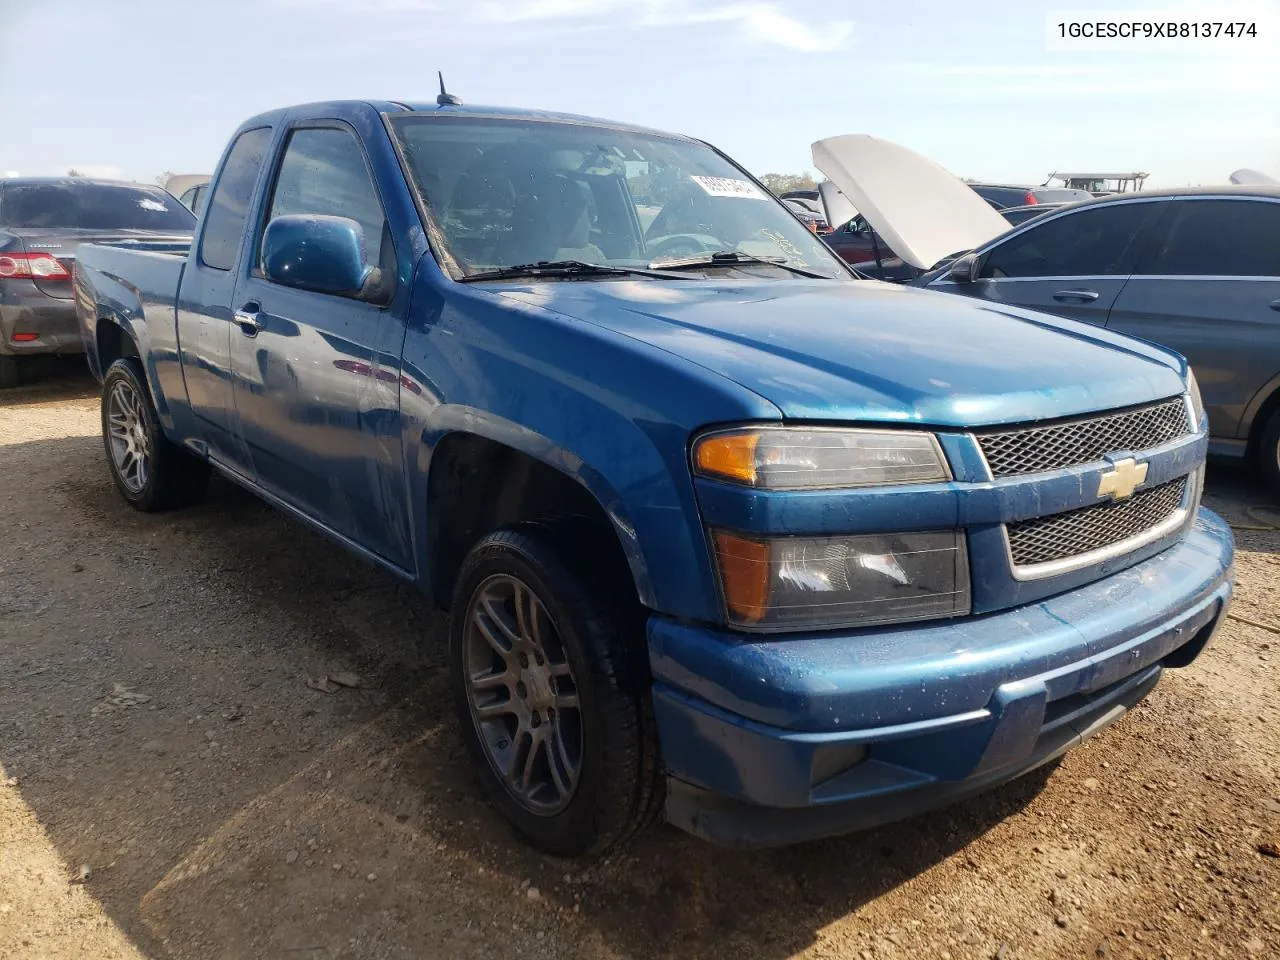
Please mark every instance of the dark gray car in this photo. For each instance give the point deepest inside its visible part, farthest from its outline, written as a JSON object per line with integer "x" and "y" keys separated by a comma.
{"x": 42, "y": 222}
{"x": 1196, "y": 270}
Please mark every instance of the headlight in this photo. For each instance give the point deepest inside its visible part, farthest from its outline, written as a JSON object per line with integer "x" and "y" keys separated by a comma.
{"x": 1197, "y": 404}
{"x": 821, "y": 583}
{"x": 804, "y": 458}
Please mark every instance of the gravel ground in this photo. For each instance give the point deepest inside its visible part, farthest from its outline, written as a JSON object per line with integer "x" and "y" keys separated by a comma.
{"x": 170, "y": 787}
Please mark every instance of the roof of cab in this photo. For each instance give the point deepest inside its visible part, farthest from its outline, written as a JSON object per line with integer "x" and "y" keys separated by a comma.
{"x": 336, "y": 108}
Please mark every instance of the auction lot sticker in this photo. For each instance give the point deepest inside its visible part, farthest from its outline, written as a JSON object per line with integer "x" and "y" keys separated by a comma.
{"x": 729, "y": 187}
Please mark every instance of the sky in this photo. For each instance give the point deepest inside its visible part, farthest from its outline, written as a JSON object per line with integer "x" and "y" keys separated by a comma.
{"x": 131, "y": 88}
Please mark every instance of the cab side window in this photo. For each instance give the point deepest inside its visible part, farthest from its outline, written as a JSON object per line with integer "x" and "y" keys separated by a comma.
{"x": 1218, "y": 238}
{"x": 323, "y": 172}
{"x": 1097, "y": 242}
{"x": 229, "y": 204}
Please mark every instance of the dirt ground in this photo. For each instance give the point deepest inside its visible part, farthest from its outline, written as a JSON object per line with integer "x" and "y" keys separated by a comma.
{"x": 170, "y": 787}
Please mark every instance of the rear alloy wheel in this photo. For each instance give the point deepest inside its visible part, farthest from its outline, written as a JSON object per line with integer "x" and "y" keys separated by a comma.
{"x": 127, "y": 438}
{"x": 552, "y": 694}
{"x": 149, "y": 470}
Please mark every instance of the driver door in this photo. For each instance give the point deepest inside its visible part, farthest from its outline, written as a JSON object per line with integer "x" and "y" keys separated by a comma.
{"x": 317, "y": 375}
{"x": 1071, "y": 265}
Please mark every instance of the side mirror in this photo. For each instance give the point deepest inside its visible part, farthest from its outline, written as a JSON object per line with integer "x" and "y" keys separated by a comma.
{"x": 317, "y": 253}
{"x": 965, "y": 269}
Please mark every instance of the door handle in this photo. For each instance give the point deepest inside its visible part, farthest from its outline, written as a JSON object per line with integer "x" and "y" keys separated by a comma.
{"x": 1275, "y": 304}
{"x": 1084, "y": 296}
{"x": 249, "y": 319}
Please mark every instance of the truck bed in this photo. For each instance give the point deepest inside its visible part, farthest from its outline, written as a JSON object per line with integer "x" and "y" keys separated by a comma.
{"x": 134, "y": 282}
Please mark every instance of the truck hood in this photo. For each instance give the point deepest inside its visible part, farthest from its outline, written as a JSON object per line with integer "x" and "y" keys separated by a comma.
{"x": 866, "y": 351}
{"x": 923, "y": 212}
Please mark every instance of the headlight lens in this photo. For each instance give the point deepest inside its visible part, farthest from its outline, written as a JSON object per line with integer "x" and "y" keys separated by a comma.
{"x": 798, "y": 458}
{"x": 1197, "y": 404}
{"x": 820, "y": 583}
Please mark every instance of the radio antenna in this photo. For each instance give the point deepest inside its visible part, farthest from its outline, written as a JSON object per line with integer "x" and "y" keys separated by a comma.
{"x": 446, "y": 99}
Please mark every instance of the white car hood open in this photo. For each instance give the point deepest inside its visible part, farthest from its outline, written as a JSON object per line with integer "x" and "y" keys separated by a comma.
{"x": 1252, "y": 178}
{"x": 838, "y": 209}
{"x": 922, "y": 212}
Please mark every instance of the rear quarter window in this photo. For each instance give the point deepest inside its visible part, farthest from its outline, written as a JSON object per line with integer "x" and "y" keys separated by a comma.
{"x": 1218, "y": 238}
{"x": 88, "y": 205}
{"x": 228, "y": 206}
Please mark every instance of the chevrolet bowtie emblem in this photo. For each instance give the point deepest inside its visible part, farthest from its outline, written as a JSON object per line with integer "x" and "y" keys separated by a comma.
{"x": 1124, "y": 477}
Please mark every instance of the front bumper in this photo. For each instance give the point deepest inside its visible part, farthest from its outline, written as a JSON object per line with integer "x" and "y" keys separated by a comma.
{"x": 776, "y": 741}
{"x": 26, "y": 310}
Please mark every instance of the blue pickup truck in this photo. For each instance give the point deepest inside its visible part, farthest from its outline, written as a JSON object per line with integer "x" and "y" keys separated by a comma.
{"x": 727, "y": 535}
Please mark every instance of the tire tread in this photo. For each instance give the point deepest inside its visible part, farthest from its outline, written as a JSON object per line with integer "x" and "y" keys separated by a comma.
{"x": 630, "y": 797}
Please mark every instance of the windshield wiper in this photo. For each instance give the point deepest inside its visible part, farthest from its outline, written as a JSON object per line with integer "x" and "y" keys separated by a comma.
{"x": 730, "y": 258}
{"x": 565, "y": 268}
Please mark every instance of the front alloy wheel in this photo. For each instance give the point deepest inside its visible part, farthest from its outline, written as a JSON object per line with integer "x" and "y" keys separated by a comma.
{"x": 524, "y": 698}
{"x": 551, "y": 684}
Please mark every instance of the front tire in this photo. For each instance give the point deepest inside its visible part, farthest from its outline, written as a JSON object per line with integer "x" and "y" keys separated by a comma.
{"x": 552, "y": 696}
{"x": 151, "y": 472}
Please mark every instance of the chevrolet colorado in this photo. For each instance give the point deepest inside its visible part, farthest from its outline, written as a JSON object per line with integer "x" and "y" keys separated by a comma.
{"x": 725, "y": 533}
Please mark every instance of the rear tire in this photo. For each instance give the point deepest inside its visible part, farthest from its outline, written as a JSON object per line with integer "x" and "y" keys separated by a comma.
{"x": 150, "y": 471}
{"x": 537, "y": 653}
{"x": 10, "y": 371}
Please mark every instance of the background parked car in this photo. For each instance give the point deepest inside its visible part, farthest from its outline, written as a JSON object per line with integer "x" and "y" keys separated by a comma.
{"x": 814, "y": 221}
{"x": 893, "y": 269}
{"x": 1003, "y": 195}
{"x": 191, "y": 189}
{"x": 856, "y": 242}
{"x": 806, "y": 198}
{"x": 194, "y": 198}
{"x": 1196, "y": 270}
{"x": 42, "y": 222}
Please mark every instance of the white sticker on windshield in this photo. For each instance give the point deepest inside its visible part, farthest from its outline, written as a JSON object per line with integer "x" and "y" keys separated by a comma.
{"x": 146, "y": 203}
{"x": 729, "y": 187}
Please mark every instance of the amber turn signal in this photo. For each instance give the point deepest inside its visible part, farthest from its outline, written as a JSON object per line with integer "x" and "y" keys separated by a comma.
{"x": 744, "y": 575}
{"x": 728, "y": 455}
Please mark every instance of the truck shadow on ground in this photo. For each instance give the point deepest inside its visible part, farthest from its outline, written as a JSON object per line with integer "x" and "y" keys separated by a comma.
{"x": 238, "y": 812}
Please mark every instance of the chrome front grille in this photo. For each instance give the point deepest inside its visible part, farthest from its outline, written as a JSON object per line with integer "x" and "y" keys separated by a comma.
{"x": 1067, "y": 443}
{"x": 1061, "y": 536}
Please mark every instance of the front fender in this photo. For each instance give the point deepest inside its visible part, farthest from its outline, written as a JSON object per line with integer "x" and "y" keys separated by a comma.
{"x": 613, "y": 413}
{"x": 459, "y": 419}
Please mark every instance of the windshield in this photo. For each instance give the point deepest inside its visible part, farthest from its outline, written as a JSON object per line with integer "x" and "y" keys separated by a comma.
{"x": 510, "y": 192}
{"x": 85, "y": 205}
